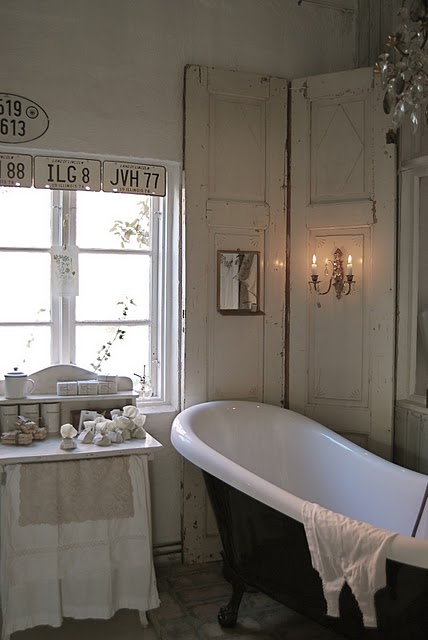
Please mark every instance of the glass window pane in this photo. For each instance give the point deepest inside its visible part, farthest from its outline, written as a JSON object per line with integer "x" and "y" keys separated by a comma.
{"x": 27, "y": 348}
{"x": 112, "y": 220}
{"x": 127, "y": 355}
{"x": 25, "y": 287}
{"x": 106, "y": 280}
{"x": 25, "y": 217}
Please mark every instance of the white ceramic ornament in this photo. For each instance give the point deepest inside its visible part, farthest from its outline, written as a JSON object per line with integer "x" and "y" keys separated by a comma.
{"x": 130, "y": 411}
{"x": 102, "y": 440}
{"x": 68, "y": 431}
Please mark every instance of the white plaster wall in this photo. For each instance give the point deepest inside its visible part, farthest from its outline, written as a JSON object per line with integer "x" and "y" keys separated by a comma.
{"x": 109, "y": 73}
{"x": 110, "y": 76}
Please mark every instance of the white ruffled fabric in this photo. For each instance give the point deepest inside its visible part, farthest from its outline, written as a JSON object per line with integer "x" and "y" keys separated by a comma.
{"x": 79, "y": 570}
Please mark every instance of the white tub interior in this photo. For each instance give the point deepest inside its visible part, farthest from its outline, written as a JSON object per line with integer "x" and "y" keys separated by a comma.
{"x": 277, "y": 456}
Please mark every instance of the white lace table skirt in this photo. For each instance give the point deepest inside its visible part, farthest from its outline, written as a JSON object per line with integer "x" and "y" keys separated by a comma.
{"x": 75, "y": 541}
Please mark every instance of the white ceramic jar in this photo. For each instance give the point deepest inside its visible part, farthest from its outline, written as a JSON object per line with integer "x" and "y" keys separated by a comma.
{"x": 31, "y": 412}
{"x": 17, "y": 384}
{"x": 51, "y": 416}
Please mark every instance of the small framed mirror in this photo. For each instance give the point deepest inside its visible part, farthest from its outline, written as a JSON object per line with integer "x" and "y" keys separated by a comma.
{"x": 238, "y": 282}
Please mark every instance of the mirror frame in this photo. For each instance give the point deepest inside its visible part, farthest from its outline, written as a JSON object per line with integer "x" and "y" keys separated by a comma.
{"x": 239, "y": 312}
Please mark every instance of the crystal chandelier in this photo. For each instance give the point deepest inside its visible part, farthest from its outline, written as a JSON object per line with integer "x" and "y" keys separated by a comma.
{"x": 404, "y": 71}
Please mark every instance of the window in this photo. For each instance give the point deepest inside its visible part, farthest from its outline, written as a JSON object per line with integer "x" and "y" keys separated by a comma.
{"x": 412, "y": 365}
{"x": 117, "y": 322}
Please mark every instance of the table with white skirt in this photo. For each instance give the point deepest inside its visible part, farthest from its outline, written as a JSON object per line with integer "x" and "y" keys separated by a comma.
{"x": 75, "y": 533}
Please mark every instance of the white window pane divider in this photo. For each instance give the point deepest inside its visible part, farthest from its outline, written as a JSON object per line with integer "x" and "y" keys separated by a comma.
{"x": 113, "y": 323}
{"x": 155, "y": 231}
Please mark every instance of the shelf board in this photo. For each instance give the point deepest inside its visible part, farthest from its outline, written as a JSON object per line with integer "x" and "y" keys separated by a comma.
{"x": 52, "y": 397}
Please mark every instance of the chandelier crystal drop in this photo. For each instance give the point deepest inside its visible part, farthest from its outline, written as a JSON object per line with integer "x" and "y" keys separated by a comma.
{"x": 404, "y": 70}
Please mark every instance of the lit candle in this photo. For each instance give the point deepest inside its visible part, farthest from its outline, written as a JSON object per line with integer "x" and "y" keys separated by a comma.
{"x": 349, "y": 267}
{"x": 314, "y": 268}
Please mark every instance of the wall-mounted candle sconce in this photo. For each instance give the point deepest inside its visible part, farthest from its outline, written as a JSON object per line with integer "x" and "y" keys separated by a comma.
{"x": 341, "y": 284}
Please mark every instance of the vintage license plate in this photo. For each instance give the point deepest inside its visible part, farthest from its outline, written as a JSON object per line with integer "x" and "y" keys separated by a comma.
{"x": 15, "y": 170}
{"x": 127, "y": 177}
{"x": 67, "y": 173}
{"x": 21, "y": 119}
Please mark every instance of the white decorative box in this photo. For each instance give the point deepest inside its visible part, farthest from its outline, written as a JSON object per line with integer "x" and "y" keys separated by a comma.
{"x": 107, "y": 384}
{"x": 66, "y": 388}
{"x": 87, "y": 387}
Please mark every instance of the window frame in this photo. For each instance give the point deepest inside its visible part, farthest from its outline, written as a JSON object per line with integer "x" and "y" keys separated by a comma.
{"x": 63, "y": 322}
{"x": 408, "y": 282}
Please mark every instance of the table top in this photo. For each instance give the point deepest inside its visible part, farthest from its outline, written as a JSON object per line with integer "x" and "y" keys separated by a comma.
{"x": 48, "y": 450}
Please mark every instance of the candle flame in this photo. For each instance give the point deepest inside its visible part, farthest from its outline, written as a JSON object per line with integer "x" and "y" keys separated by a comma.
{"x": 349, "y": 259}
{"x": 314, "y": 259}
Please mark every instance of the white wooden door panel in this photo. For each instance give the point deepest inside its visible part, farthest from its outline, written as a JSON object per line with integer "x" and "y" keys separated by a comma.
{"x": 238, "y": 214}
{"x": 237, "y": 131}
{"x": 354, "y": 214}
{"x": 239, "y": 83}
{"x": 339, "y": 155}
{"x": 235, "y": 145}
{"x": 343, "y": 196}
{"x": 338, "y": 352}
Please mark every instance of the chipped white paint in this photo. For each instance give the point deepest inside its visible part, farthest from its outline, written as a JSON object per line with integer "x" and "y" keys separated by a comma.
{"x": 235, "y": 199}
{"x": 343, "y": 348}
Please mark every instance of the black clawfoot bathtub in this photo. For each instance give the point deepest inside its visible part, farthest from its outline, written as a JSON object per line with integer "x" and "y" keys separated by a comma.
{"x": 260, "y": 463}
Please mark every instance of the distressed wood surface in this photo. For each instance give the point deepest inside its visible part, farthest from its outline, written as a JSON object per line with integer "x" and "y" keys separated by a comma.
{"x": 235, "y": 146}
{"x": 343, "y": 187}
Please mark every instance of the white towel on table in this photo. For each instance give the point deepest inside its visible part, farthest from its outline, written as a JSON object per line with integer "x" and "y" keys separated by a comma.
{"x": 345, "y": 550}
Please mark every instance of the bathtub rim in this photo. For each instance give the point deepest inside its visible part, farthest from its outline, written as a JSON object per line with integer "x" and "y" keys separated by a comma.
{"x": 404, "y": 549}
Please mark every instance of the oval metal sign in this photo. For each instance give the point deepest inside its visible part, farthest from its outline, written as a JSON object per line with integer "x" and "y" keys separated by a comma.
{"x": 21, "y": 120}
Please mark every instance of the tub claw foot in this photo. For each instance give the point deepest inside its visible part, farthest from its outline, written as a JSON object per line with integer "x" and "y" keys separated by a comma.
{"x": 228, "y": 615}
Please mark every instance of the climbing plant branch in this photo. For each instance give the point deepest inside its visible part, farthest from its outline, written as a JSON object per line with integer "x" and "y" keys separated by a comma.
{"x": 104, "y": 353}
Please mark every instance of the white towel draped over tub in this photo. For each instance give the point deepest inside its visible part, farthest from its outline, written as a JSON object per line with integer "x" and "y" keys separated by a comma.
{"x": 345, "y": 550}
{"x": 75, "y": 541}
